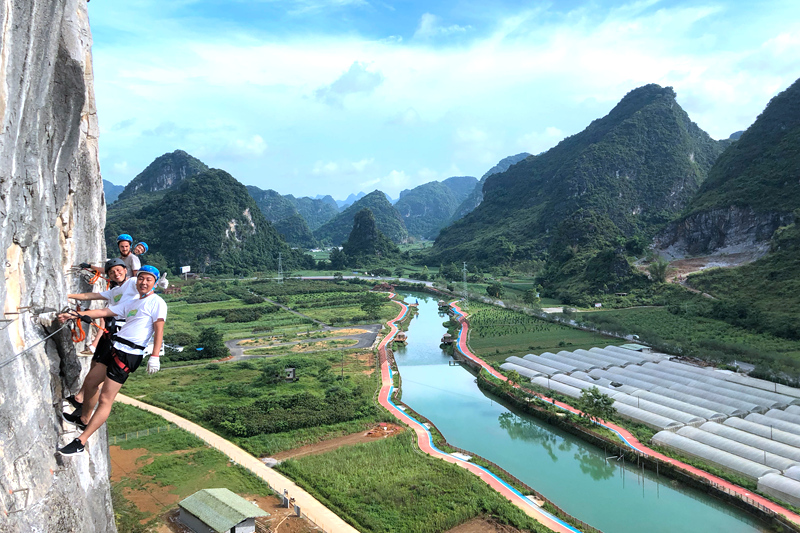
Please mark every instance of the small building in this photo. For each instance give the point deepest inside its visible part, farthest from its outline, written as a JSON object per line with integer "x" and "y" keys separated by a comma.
{"x": 447, "y": 339}
{"x": 219, "y": 511}
{"x": 443, "y": 305}
{"x": 637, "y": 348}
{"x": 598, "y": 305}
{"x": 289, "y": 373}
{"x": 401, "y": 337}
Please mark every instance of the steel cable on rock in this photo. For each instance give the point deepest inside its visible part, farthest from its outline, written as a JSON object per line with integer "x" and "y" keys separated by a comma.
{"x": 11, "y": 359}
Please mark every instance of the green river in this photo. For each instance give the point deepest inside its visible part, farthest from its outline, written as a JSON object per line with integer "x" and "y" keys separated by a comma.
{"x": 609, "y": 495}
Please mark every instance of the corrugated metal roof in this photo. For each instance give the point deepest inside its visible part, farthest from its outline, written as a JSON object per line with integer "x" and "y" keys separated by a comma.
{"x": 220, "y": 509}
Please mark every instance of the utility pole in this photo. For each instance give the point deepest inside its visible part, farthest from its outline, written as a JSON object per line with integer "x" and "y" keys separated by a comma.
{"x": 280, "y": 267}
{"x": 464, "y": 278}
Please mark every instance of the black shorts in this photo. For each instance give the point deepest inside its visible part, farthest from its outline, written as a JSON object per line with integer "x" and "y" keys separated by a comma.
{"x": 104, "y": 345}
{"x": 115, "y": 371}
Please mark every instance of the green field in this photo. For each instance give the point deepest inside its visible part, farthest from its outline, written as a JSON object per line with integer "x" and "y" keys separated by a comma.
{"x": 388, "y": 485}
{"x": 497, "y": 333}
{"x": 251, "y": 404}
{"x": 702, "y": 337}
{"x": 175, "y": 460}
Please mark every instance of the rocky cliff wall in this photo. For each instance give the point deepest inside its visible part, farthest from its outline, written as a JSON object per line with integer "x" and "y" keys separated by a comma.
{"x": 52, "y": 214}
{"x": 720, "y": 231}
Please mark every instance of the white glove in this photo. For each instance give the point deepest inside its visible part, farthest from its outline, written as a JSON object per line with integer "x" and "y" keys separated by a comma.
{"x": 153, "y": 365}
{"x": 162, "y": 282}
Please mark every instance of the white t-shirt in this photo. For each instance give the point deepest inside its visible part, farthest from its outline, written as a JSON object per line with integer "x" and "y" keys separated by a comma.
{"x": 132, "y": 262}
{"x": 140, "y": 316}
{"x": 121, "y": 293}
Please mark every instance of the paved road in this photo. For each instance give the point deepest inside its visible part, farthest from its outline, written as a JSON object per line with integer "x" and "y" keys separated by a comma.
{"x": 309, "y": 506}
{"x": 631, "y": 441}
{"x": 425, "y": 443}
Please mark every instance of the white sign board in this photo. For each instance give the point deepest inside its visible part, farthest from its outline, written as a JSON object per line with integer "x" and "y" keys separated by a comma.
{"x": 186, "y": 269}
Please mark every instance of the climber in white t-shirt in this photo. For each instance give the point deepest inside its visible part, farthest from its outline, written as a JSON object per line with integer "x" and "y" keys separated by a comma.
{"x": 144, "y": 318}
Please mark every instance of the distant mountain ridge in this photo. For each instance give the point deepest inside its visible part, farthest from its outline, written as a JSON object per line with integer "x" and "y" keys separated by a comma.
{"x": 475, "y": 197}
{"x": 111, "y": 191}
{"x": 427, "y": 208}
{"x": 387, "y": 220}
{"x": 618, "y": 179}
{"x": 163, "y": 173}
{"x": 751, "y": 191}
{"x": 210, "y": 222}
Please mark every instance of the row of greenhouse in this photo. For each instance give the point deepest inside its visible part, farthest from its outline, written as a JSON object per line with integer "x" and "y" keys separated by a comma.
{"x": 742, "y": 424}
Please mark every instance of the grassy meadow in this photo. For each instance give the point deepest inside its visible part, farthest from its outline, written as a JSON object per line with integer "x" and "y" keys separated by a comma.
{"x": 497, "y": 333}
{"x": 388, "y": 485}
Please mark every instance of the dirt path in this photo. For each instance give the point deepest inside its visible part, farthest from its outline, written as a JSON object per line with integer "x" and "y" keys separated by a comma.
{"x": 632, "y": 442}
{"x": 380, "y": 431}
{"x": 309, "y": 506}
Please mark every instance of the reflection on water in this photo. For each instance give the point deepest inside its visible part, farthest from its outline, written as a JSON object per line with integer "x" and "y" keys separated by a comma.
{"x": 519, "y": 428}
{"x": 614, "y": 496}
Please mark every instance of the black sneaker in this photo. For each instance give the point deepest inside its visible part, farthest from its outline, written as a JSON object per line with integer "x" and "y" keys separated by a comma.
{"x": 74, "y": 403}
{"x": 73, "y": 448}
{"x": 74, "y": 419}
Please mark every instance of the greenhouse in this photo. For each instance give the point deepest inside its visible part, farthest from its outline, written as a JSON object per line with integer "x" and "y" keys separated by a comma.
{"x": 794, "y": 409}
{"x": 722, "y": 459}
{"x": 708, "y": 404}
{"x": 793, "y": 472}
{"x": 566, "y": 367}
{"x": 621, "y": 378}
{"x": 659, "y": 409}
{"x": 566, "y": 390}
{"x": 647, "y": 418}
{"x": 599, "y": 357}
{"x": 686, "y": 407}
{"x": 714, "y": 397}
{"x": 575, "y": 356}
{"x": 757, "y": 441}
{"x": 774, "y": 422}
{"x": 629, "y": 357}
{"x": 783, "y": 415}
{"x": 604, "y": 382}
{"x": 521, "y": 370}
{"x": 781, "y": 487}
{"x": 534, "y": 366}
{"x": 641, "y": 356}
{"x": 762, "y": 430}
{"x": 764, "y": 385}
{"x": 578, "y": 364}
{"x": 737, "y": 448}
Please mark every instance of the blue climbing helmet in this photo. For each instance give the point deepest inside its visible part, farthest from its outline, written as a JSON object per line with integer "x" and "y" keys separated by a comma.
{"x": 149, "y": 269}
{"x": 124, "y": 237}
{"x": 144, "y": 245}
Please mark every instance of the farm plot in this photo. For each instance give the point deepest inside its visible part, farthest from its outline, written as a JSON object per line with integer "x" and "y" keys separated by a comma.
{"x": 497, "y": 333}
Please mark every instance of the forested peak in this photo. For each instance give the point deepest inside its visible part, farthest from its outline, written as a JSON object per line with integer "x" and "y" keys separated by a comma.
{"x": 366, "y": 239}
{"x": 760, "y": 169}
{"x": 337, "y": 229}
{"x": 164, "y": 172}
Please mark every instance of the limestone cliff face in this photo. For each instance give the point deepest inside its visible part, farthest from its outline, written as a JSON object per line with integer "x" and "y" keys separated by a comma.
{"x": 721, "y": 231}
{"x": 52, "y": 213}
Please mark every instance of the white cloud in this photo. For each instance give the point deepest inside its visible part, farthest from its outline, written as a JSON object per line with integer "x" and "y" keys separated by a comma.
{"x": 396, "y": 179}
{"x": 358, "y": 79}
{"x": 122, "y": 168}
{"x": 536, "y": 142}
{"x": 235, "y": 149}
{"x": 409, "y": 117}
{"x": 430, "y": 26}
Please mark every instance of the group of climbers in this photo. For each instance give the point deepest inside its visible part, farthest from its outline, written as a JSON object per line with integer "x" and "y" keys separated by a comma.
{"x": 134, "y": 316}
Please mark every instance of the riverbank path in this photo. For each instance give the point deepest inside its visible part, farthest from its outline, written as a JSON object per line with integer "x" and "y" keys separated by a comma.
{"x": 628, "y": 438}
{"x": 425, "y": 440}
{"x": 309, "y": 506}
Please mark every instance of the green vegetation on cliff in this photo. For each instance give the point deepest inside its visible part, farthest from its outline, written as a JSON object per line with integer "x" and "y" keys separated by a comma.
{"x": 209, "y": 221}
{"x": 591, "y": 200}
{"x": 366, "y": 242}
{"x": 761, "y": 169}
{"x": 388, "y": 220}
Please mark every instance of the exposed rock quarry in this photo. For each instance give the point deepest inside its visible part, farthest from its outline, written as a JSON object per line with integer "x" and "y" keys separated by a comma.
{"x": 53, "y": 212}
{"x": 733, "y": 230}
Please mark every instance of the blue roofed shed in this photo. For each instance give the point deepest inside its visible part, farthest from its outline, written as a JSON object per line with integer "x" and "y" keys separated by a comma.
{"x": 219, "y": 511}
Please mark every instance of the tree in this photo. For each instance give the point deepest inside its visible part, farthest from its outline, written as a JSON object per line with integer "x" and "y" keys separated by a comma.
{"x": 371, "y": 304}
{"x": 596, "y": 404}
{"x": 514, "y": 378}
{"x": 398, "y": 272}
{"x": 210, "y": 340}
{"x": 495, "y": 290}
{"x": 659, "y": 269}
{"x": 338, "y": 259}
{"x": 531, "y": 297}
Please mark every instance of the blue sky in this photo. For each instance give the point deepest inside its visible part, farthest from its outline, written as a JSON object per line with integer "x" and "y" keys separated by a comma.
{"x": 337, "y": 96}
